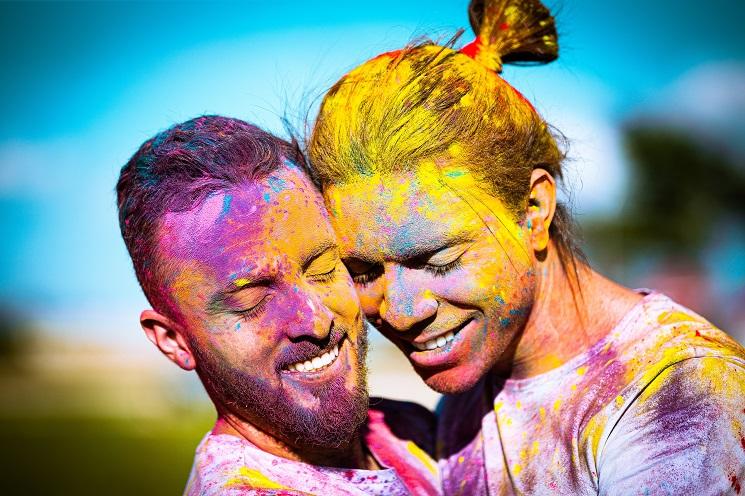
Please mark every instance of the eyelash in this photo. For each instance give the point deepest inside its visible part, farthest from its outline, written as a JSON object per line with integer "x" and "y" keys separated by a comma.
{"x": 255, "y": 310}
{"x": 441, "y": 270}
{"x": 437, "y": 270}
{"x": 327, "y": 277}
{"x": 367, "y": 277}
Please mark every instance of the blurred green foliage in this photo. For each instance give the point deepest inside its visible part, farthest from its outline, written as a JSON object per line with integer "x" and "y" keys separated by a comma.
{"x": 89, "y": 456}
{"x": 682, "y": 187}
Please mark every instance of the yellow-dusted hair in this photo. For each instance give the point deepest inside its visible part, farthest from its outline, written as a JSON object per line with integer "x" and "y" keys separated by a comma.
{"x": 434, "y": 103}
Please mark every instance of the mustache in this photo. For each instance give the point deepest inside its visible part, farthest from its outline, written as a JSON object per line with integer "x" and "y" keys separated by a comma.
{"x": 308, "y": 347}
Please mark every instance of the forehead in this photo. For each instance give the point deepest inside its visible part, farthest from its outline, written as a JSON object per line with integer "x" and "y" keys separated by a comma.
{"x": 249, "y": 225}
{"x": 389, "y": 213}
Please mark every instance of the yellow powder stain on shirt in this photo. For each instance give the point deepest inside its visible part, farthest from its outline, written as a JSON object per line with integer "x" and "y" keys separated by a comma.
{"x": 673, "y": 317}
{"x": 542, "y": 413}
{"x": 239, "y": 283}
{"x": 534, "y": 448}
{"x": 518, "y": 405}
{"x": 461, "y": 459}
{"x": 593, "y": 431}
{"x": 517, "y": 468}
{"x": 422, "y": 457}
{"x": 557, "y": 405}
{"x": 498, "y": 406}
{"x": 582, "y": 370}
{"x": 619, "y": 401}
{"x": 253, "y": 479}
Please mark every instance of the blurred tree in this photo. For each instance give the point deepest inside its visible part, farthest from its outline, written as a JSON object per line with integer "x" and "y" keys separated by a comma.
{"x": 15, "y": 336}
{"x": 681, "y": 189}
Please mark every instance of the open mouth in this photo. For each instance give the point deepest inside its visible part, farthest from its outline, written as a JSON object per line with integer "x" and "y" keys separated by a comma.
{"x": 440, "y": 341}
{"x": 323, "y": 360}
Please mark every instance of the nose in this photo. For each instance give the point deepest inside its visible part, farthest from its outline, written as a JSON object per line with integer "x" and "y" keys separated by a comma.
{"x": 312, "y": 319}
{"x": 405, "y": 303}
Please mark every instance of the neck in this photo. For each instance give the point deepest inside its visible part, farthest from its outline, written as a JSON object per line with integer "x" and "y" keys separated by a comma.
{"x": 352, "y": 456}
{"x": 570, "y": 314}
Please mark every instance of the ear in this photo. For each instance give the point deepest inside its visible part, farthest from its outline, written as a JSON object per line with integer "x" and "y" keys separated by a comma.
{"x": 541, "y": 208}
{"x": 168, "y": 337}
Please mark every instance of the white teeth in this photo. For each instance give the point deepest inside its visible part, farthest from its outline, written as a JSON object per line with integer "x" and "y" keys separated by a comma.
{"x": 316, "y": 362}
{"x": 326, "y": 358}
{"x": 435, "y": 343}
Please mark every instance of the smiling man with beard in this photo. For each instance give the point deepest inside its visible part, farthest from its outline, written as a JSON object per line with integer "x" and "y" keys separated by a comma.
{"x": 232, "y": 246}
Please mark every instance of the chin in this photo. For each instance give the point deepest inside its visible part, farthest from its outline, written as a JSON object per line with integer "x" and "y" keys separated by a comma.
{"x": 455, "y": 380}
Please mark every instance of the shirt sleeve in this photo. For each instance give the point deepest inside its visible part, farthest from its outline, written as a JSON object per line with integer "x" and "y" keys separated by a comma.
{"x": 683, "y": 434}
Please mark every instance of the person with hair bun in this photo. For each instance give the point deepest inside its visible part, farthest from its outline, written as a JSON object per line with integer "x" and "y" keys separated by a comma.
{"x": 441, "y": 180}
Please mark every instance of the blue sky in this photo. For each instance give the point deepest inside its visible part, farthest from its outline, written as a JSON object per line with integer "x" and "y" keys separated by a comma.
{"x": 85, "y": 83}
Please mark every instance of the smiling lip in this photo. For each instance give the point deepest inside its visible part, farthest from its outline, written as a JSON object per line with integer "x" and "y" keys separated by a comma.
{"x": 442, "y": 354}
{"x": 318, "y": 366}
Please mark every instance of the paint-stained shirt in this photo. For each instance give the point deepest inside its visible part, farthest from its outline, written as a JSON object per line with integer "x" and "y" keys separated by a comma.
{"x": 656, "y": 407}
{"x": 399, "y": 435}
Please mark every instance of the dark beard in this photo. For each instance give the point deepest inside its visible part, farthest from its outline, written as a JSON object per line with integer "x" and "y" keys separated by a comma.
{"x": 334, "y": 425}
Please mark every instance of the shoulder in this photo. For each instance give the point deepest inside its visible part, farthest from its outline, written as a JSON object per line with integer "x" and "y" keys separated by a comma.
{"x": 661, "y": 333}
{"x": 393, "y": 420}
{"x": 222, "y": 468}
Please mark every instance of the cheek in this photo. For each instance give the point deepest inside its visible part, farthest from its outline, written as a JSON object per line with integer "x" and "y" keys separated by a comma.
{"x": 341, "y": 298}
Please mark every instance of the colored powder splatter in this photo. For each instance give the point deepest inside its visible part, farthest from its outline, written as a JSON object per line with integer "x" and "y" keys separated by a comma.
{"x": 252, "y": 479}
{"x": 421, "y": 456}
{"x": 226, "y": 201}
{"x": 277, "y": 184}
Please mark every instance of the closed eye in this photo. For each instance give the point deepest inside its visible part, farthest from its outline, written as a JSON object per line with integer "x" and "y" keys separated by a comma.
{"x": 254, "y": 311}
{"x": 322, "y": 267}
{"x": 363, "y": 273}
{"x": 445, "y": 260}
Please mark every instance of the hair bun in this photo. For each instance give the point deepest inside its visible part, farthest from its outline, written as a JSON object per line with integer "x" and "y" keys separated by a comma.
{"x": 511, "y": 32}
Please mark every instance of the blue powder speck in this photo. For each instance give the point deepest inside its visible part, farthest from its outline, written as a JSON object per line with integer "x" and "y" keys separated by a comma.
{"x": 226, "y": 205}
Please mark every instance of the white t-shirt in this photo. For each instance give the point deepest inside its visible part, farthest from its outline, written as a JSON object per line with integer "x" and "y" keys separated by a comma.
{"x": 226, "y": 465}
{"x": 656, "y": 407}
